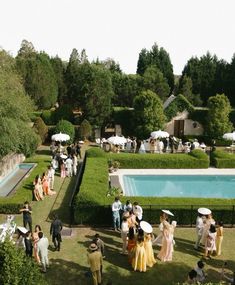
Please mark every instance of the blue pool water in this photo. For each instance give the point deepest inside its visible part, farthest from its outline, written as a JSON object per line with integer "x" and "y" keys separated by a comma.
{"x": 198, "y": 186}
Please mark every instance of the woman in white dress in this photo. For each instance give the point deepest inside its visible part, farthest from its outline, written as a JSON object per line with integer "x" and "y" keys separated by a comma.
{"x": 142, "y": 148}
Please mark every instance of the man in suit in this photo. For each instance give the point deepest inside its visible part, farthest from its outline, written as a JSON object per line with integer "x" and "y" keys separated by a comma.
{"x": 42, "y": 250}
{"x": 27, "y": 218}
{"x": 95, "y": 261}
{"x": 55, "y": 231}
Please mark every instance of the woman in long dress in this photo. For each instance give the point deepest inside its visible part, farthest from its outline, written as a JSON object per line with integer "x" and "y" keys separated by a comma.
{"x": 210, "y": 245}
{"x": 150, "y": 260}
{"x": 35, "y": 242}
{"x": 142, "y": 148}
{"x": 131, "y": 243}
{"x": 46, "y": 186}
{"x": 219, "y": 237}
{"x": 139, "y": 261}
{"x": 207, "y": 223}
{"x": 38, "y": 192}
{"x": 166, "y": 251}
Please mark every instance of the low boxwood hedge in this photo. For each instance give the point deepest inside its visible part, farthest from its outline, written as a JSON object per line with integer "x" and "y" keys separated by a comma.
{"x": 92, "y": 206}
{"x": 222, "y": 159}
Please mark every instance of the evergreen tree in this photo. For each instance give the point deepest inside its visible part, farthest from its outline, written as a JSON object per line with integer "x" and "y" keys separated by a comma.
{"x": 218, "y": 116}
{"x": 149, "y": 115}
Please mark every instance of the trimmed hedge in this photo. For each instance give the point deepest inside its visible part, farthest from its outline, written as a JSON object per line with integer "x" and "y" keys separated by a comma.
{"x": 221, "y": 159}
{"x": 92, "y": 206}
{"x": 195, "y": 159}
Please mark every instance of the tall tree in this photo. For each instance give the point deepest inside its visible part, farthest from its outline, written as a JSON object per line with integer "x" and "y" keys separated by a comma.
{"x": 218, "y": 116}
{"x": 154, "y": 80}
{"x": 161, "y": 59}
{"x": 38, "y": 76}
{"x": 231, "y": 81}
{"x": 149, "y": 115}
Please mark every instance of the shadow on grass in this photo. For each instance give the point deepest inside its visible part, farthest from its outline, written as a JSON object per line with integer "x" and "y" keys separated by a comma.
{"x": 43, "y": 152}
{"x": 66, "y": 272}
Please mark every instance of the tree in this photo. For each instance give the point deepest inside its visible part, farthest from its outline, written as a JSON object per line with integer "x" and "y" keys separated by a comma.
{"x": 85, "y": 129}
{"x": 93, "y": 92}
{"x": 41, "y": 128}
{"x": 38, "y": 76}
{"x": 16, "y": 135}
{"x": 16, "y": 268}
{"x": 186, "y": 90}
{"x": 230, "y": 88}
{"x": 59, "y": 70}
{"x": 161, "y": 59}
{"x": 149, "y": 115}
{"x": 154, "y": 80}
{"x": 65, "y": 127}
{"x": 218, "y": 116}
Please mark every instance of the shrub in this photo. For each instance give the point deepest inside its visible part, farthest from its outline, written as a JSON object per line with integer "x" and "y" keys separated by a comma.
{"x": 64, "y": 112}
{"x": 41, "y": 129}
{"x": 95, "y": 152}
{"x": 48, "y": 117}
{"x": 85, "y": 129}
{"x": 66, "y": 127}
{"x": 221, "y": 159}
{"x": 16, "y": 268}
{"x": 29, "y": 141}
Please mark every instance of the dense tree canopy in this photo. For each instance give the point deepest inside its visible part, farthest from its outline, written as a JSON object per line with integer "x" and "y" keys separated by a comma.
{"x": 16, "y": 135}
{"x": 218, "y": 116}
{"x": 161, "y": 59}
{"x": 38, "y": 76}
{"x": 149, "y": 115}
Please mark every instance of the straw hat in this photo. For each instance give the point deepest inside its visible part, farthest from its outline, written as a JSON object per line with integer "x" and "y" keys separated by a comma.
{"x": 204, "y": 211}
{"x": 93, "y": 246}
{"x": 146, "y": 227}
{"x": 168, "y": 212}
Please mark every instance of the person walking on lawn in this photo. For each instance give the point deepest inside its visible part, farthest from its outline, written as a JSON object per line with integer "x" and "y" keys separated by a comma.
{"x": 95, "y": 261}
{"x": 55, "y": 231}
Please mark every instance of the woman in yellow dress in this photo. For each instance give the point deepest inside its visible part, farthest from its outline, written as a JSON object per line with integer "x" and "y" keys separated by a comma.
{"x": 150, "y": 260}
{"x": 219, "y": 237}
{"x": 139, "y": 260}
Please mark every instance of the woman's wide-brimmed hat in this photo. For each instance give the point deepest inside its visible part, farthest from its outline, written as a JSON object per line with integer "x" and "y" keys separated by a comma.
{"x": 23, "y": 230}
{"x": 93, "y": 246}
{"x": 204, "y": 211}
{"x": 146, "y": 227}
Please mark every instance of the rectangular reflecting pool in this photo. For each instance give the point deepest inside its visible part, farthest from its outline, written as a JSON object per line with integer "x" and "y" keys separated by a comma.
{"x": 11, "y": 181}
{"x": 194, "y": 186}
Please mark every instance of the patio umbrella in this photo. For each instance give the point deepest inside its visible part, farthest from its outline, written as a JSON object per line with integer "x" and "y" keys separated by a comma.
{"x": 116, "y": 140}
{"x": 159, "y": 134}
{"x": 60, "y": 137}
{"x": 204, "y": 211}
{"x": 229, "y": 136}
{"x": 168, "y": 212}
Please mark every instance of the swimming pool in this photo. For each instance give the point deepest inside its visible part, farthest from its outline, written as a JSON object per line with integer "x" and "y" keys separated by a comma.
{"x": 194, "y": 186}
{"x": 11, "y": 181}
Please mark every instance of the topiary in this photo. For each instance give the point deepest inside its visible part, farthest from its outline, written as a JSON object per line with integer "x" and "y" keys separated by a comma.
{"x": 41, "y": 128}
{"x": 48, "y": 117}
{"x": 85, "y": 129}
{"x": 66, "y": 127}
{"x": 64, "y": 112}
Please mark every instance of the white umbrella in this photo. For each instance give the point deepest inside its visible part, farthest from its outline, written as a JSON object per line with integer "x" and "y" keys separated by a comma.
{"x": 60, "y": 137}
{"x": 146, "y": 227}
{"x": 229, "y": 136}
{"x": 159, "y": 134}
{"x": 204, "y": 211}
{"x": 116, "y": 140}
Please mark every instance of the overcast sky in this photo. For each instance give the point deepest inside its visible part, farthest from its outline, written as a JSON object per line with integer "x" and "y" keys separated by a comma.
{"x": 120, "y": 29}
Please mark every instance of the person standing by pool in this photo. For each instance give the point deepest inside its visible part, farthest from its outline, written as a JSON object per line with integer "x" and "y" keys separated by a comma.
{"x": 138, "y": 211}
{"x": 199, "y": 230}
{"x": 116, "y": 207}
{"x": 27, "y": 212}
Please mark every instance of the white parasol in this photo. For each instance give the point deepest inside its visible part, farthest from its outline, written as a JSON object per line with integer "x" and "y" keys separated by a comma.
{"x": 60, "y": 137}
{"x": 159, "y": 134}
{"x": 168, "y": 212}
{"x": 229, "y": 136}
{"x": 63, "y": 156}
{"x": 22, "y": 229}
{"x": 204, "y": 211}
{"x": 146, "y": 227}
{"x": 116, "y": 140}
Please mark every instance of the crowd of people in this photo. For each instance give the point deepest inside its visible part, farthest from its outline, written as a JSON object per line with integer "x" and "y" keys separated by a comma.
{"x": 35, "y": 243}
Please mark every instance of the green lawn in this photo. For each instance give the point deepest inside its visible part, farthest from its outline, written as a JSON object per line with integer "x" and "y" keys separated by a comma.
{"x": 70, "y": 264}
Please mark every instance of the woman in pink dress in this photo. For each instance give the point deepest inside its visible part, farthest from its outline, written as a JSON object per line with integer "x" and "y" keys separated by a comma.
{"x": 62, "y": 170}
{"x": 35, "y": 242}
{"x": 166, "y": 251}
{"x": 210, "y": 245}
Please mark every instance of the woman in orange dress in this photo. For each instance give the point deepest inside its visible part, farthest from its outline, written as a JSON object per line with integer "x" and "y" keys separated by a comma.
{"x": 35, "y": 242}
{"x": 45, "y": 185}
{"x": 131, "y": 243}
{"x": 38, "y": 192}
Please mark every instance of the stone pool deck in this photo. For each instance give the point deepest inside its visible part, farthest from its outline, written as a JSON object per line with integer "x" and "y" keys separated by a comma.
{"x": 116, "y": 178}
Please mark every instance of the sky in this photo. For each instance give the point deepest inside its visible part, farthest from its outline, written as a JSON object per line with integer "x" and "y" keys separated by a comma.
{"x": 119, "y": 29}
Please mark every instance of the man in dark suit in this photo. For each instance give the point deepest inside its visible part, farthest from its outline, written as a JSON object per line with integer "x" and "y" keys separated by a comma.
{"x": 55, "y": 231}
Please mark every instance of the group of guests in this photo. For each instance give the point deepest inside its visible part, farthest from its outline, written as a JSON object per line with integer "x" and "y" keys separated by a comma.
{"x": 209, "y": 235}
{"x": 35, "y": 243}
{"x": 44, "y": 184}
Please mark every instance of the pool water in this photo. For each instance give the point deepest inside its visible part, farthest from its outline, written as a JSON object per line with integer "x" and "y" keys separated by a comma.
{"x": 11, "y": 181}
{"x": 195, "y": 186}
